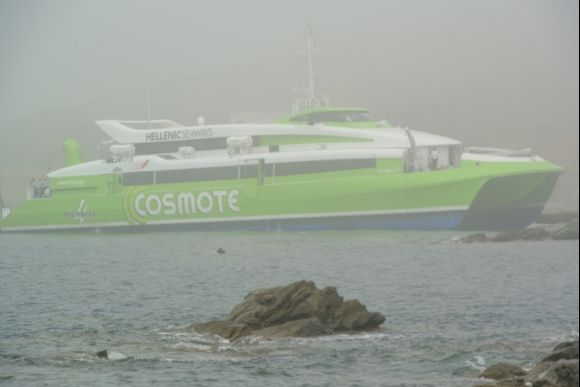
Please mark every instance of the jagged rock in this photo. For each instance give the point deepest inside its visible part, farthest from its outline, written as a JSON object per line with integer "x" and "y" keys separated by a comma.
{"x": 559, "y": 369}
{"x": 473, "y": 238}
{"x": 568, "y": 231}
{"x": 502, "y": 371}
{"x": 306, "y": 327}
{"x": 353, "y": 316}
{"x": 561, "y": 373}
{"x": 567, "y": 351}
{"x": 526, "y": 234}
{"x": 299, "y": 309}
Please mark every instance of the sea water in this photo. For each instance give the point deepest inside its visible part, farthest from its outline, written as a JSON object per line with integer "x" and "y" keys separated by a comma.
{"x": 451, "y": 309}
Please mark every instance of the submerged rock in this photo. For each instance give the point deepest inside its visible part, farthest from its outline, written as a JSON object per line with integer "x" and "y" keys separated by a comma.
{"x": 567, "y": 231}
{"x": 297, "y": 310}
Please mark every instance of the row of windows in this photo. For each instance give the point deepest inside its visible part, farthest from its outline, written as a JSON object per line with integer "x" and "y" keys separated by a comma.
{"x": 339, "y": 116}
{"x": 244, "y": 172}
{"x": 149, "y": 148}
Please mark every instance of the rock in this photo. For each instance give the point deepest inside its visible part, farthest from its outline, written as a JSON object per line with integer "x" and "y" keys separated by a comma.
{"x": 559, "y": 369}
{"x": 477, "y": 237}
{"x": 353, "y": 316}
{"x": 221, "y": 250}
{"x": 526, "y": 234}
{"x": 502, "y": 371}
{"x": 307, "y": 327}
{"x": 299, "y": 309}
{"x": 564, "y": 231}
{"x": 567, "y": 351}
{"x": 561, "y": 373}
{"x": 567, "y": 231}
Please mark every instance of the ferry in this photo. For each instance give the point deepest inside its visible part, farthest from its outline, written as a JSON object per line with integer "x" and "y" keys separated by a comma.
{"x": 158, "y": 174}
{"x": 321, "y": 167}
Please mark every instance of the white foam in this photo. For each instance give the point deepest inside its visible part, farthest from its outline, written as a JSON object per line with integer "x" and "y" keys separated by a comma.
{"x": 478, "y": 363}
{"x": 114, "y": 355}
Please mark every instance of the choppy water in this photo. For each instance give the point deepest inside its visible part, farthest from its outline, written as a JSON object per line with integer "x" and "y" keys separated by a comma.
{"x": 450, "y": 308}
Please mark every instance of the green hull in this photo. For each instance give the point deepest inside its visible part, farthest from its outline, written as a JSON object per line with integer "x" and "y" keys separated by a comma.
{"x": 491, "y": 195}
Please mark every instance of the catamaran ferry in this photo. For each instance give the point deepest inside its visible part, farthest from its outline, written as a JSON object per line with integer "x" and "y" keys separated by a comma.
{"x": 285, "y": 176}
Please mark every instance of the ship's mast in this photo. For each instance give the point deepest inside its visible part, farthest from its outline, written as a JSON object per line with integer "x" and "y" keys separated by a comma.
{"x": 310, "y": 100}
{"x": 309, "y": 50}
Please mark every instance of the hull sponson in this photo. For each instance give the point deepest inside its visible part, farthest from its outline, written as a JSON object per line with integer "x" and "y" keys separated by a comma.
{"x": 509, "y": 202}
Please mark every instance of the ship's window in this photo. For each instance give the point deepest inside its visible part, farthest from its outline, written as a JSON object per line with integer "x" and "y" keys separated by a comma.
{"x": 321, "y": 166}
{"x": 172, "y": 146}
{"x": 138, "y": 178}
{"x": 198, "y": 174}
{"x": 245, "y": 171}
{"x": 338, "y": 116}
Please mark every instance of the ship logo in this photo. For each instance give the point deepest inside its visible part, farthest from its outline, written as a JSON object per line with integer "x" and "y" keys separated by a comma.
{"x": 131, "y": 215}
{"x": 81, "y": 213}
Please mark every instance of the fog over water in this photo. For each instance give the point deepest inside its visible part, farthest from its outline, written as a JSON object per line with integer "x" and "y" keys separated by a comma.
{"x": 491, "y": 73}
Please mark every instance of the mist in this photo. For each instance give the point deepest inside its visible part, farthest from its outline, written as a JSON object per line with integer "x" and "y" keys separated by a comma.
{"x": 490, "y": 73}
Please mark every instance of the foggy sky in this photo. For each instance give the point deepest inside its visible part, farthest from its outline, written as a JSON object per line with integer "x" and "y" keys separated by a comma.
{"x": 493, "y": 73}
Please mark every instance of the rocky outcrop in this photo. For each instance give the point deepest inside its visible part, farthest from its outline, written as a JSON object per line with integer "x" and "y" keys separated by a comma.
{"x": 297, "y": 310}
{"x": 559, "y": 369}
{"x": 502, "y": 371}
{"x": 563, "y": 231}
{"x": 566, "y": 351}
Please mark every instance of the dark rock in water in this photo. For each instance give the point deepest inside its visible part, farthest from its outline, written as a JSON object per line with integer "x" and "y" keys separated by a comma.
{"x": 568, "y": 231}
{"x": 299, "y": 309}
{"x": 526, "y": 234}
{"x": 502, "y": 371}
{"x": 102, "y": 354}
{"x": 564, "y": 351}
{"x": 221, "y": 250}
{"x": 561, "y": 373}
{"x": 560, "y": 369}
{"x": 306, "y": 327}
{"x": 477, "y": 237}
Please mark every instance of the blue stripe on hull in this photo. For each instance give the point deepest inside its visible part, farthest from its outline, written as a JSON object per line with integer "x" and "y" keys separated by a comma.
{"x": 412, "y": 221}
{"x": 445, "y": 220}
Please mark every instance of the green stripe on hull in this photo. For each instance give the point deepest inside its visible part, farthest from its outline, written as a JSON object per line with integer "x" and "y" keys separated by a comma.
{"x": 101, "y": 200}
